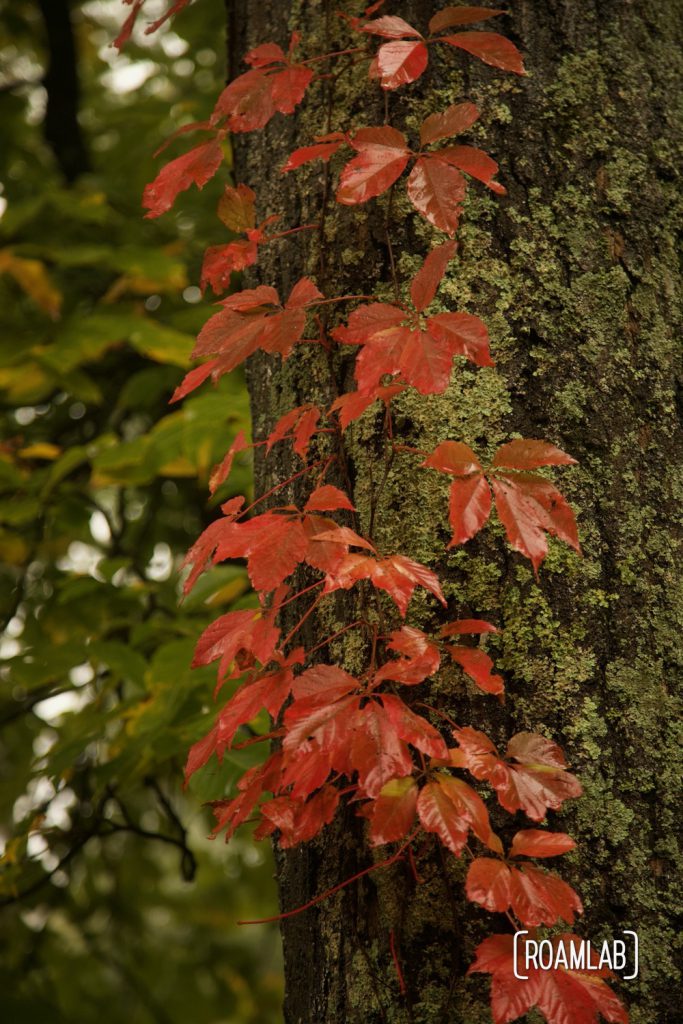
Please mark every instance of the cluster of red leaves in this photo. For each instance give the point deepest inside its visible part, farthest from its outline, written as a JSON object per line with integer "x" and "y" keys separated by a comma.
{"x": 236, "y": 210}
{"x": 353, "y": 737}
{"x": 528, "y": 505}
{"x": 563, "y": 996}
{"x": 405, "y": 57}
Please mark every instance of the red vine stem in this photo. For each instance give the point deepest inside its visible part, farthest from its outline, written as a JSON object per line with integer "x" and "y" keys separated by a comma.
{"x": 336, "y": 888}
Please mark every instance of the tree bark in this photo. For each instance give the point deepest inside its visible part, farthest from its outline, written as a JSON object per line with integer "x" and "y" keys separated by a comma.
{"x": 575, "y": 274}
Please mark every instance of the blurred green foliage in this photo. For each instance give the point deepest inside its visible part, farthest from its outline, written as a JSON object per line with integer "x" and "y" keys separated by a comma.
{"x": 113, "y": 905}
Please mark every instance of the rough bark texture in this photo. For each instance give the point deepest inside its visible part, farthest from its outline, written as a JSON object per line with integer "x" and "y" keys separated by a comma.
{"x": 575, "y": 273}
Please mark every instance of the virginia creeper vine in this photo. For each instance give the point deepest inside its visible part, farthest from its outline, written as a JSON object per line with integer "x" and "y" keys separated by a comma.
{"x": 339, "y": 736}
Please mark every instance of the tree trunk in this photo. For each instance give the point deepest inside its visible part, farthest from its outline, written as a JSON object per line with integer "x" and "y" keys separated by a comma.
{"x": 576, "y": 276}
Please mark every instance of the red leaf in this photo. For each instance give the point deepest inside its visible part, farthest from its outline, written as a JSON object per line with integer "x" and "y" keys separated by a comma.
{"x": 266, "y": 53}
{"x": 438, "y": 815}
{"x": 453, "y": 457}
{"x": 367, "y": 321}
{"x": 539, "y": 783}
{"x": 193, "y": 168}
{"x": 436, "y": 190}
{"x": 241, "y": 637}
{"x": 236, "y": 208}
{"x": 302, "y": 294}
{"x": 289, "y": 86}
{"x": 532, "y": 842}
{"x": 490, "y": 47}
{"x": 382, "y": 158}
{"x": 221, "y": 472}
{"x": 455, "y": 119}
{"x": 321, "y": 684}
{"x": 465, "y": 334}
{"x": 253, "y": 319}
{"x": 450, "y": 808}
{"x": 193, "y": 379}
{"x": 413, "y": 728}
{"x": 299, "y": 425}
{"x": 200, "y": 752}
{"x": 377, "y": 750}
{"x": 318, "y": 151}
{"x": 532, "y": 749}
{"x": 392, "y": 814}
{"x": 469, "y": 508}
{"x": 247, "y": 102}
{"x": 269, "y": 692}
{"x": 305, "y": 772}
{"x": 537, "y": 897}
{"x": 327, "y": 498}
{"x": 421, "y": 658}
{"x": 424, "y": 285}
{"x": 397, "y": 575}
{"x": 232, "y": 813}
{"x": 327, "y": 546}
{"x": 529, "y": 506}
{"x": 327, "y": 724}
{"x": 298, "y": 820}
{"x": 477, "y": 665}
{"x": 205, "y": 545}
{"x": 423, "y": 360}
{"x": 353, "y": 404}
{"x": 343, "y": 535}
{"x": 451, "y": 16}
{"x": 474, "y": 162}
{"x": 529, "y": 454}
{"x": 399, "y": 62}
{"x": 220, "y": 261}
{"x": 391, "y": 27}
{"x": 488, "y": 883}
{"x": 461, "y": 626}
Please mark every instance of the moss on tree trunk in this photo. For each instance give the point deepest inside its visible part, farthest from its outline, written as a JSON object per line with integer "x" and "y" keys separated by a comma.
{"x": 575, "y": 273}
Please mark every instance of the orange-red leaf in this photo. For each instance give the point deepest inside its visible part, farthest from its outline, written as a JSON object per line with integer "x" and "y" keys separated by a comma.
{"x": 453, "y": 457}
{"x": 391, "y": 27}
{"x": 326, "y": 498}
{"x": 476, "y": 163}
{"x": 382, "y": 155}
{"x": 420, "y": 657}
{"x": 533, "y": 842}
{"x": 193, "y": 168}
{"x": 424, "y": 285}
{"x": 221, "y": 472}
{"x": 316, "y": 151}
{"x": 469, "y": 507}
{"x": 465, "y": 334}
{"x": 461, "y": 626}
{"x": 455, "y": 119}
{"x": 477, "y": 665}
{"x": 488, "y": 883}
{"x": 392, "y": 814}
{"x": 530, "y": 454}
{"x": 451, "y": 16}
{"x": 437, "y": 190}
{"x": 399, "y": 62}
{"x": 220, "y": 261}
{"x": 490, "y": 47}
